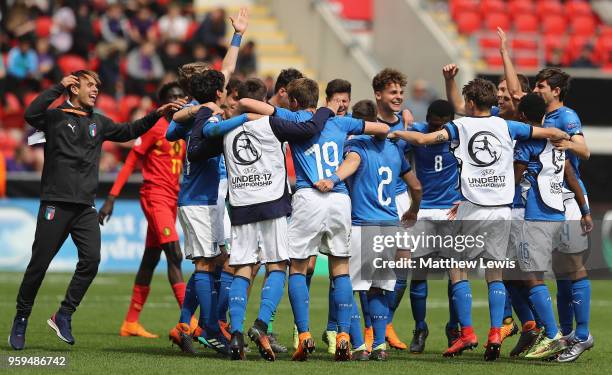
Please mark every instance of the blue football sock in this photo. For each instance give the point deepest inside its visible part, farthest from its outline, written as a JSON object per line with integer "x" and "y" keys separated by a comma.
{"x": 379, "y": 313}
{"x": 300, "y": 301}
{"x": 565, "y": 308}
{"x": 462, "y": 301}
{"x": 394, "y": 298}
{"x": 343, "y": 298}
{"x": 238, "y": 302}
{"x": 542, "y": 303}
{"x": 507, "y": 304}
{"x": 271, "y": 294}
{"x": 581, "y": 300}
{"x": 453, "y": 320}
{"x": 207, "y": 296}
{"x": 225, "y": 283}
{"x": 308, "y": 280}
{"x": 332, "y": 322}
{"x": 520, "y": 303}
{"x": 418, "y": 302}
{"x": 497, "y": 299}
{"x": 355, "y": 331}
{"x": 365, "y": 309}
{"x": 190, "y": 303}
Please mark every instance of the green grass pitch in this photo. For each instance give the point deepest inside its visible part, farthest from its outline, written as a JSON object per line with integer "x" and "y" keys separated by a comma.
{"x": 99, "y": 349}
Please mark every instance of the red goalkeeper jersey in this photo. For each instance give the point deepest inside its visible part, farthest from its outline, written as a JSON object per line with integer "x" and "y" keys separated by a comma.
{"x": 162, "y": 163}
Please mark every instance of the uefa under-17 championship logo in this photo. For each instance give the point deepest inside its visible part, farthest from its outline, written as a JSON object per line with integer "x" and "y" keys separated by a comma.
{"x": 484, "y": 148}
{"x": 246, "y": 148}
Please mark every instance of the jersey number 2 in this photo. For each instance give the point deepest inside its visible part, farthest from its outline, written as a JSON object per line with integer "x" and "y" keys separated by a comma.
{"x": 386, "y": 178}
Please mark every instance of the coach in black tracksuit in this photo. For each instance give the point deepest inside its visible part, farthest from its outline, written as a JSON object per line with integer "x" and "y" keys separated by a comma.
{"x": 74, "y": 137}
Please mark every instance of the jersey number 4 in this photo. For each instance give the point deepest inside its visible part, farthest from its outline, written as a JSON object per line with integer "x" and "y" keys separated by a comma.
{"x": 328, "y": 154}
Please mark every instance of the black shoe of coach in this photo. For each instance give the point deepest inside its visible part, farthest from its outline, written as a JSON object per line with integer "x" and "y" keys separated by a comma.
{"x": 18, "y": 331}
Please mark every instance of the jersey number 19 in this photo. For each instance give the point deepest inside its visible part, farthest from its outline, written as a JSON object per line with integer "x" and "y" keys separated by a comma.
{"x": 326, "y": 153}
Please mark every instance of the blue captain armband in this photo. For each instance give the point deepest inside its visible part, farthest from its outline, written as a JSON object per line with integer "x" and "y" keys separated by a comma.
{"x": 236, "y": 40}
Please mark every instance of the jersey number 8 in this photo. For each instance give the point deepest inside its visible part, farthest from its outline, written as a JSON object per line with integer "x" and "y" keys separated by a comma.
{"x": 438, "y": 163}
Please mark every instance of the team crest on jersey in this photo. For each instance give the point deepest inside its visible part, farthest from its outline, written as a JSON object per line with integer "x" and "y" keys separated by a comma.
{"x": 49, "y": 213}
{"x": 246, "y": 148}
{"x": 484, "y": 149}
{"x": 92, "y": 129}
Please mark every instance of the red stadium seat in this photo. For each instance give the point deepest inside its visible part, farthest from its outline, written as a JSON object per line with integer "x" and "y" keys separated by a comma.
{"x": 553, "y": 24}
{"x": 126, "y": 104}
{"x": 43, "y": 26}
{"x": 552, "y": 42}
{"x": 29, "y": 97}
{"x": 492, "y": 6}
{"x": 357, "y": 10}
{"x": 578, "y": 8}
{"x": 494, "y": 60}
{"x": 583, "y": 25}
{"x": 575, "y": 45}
{"x": 605, "y": 30}
{"x": 461, "y": 6}
{"x": 488, "y": 41}
{"x": 526, "y": 23}
{"x": 495, "y": 20}
{"x": 70, "y": 63}
{"x": 525, "y": 43}
{"x": 520, "y": 7}
{"x": 468, "y": 22}
{"x": 106, "y": 103}
{"x": 549, "y": 7}
{"x": 603, "y": 50}
{"x": 527, "y": 61}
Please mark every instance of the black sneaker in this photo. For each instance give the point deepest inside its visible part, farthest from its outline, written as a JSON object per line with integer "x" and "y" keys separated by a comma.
{"x": 17, "y": 337}
{"x": 218, "y": 343}
{"x": 258, "y": 335}
{"x": 525, "y": 342}
{"x": 277, "y": 347}
{"x": 62, "y": 325}
{"x": 419, "y": 336}
{"x": 237, "y": 346}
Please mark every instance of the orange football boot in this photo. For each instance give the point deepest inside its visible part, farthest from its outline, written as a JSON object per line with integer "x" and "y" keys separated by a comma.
{"x": 135, "y": 329}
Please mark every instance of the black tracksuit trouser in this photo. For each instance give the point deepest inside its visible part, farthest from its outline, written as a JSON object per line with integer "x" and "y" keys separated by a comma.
{"x": 57, "y": 220}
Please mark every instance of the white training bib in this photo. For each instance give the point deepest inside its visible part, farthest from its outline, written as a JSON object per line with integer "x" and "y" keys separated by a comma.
{"x": 550, "y": 178}
{"x": 485, "y": 156}
{"x": 255, "y": 163}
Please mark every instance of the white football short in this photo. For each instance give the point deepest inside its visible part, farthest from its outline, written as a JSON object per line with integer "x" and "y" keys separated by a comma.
{"x": 262, "y": 241}
{"x": 319, "y": 221}
{"x": 224, "y": 225}
{"x": 199, "y": 225}
{"x": 431, "y": 223}
{"x": 360, "y": 269}
{"x": 402, "y": 203}
{"x": 539, "y": 240}
{"x": 572, "y": 240}
{"x": 516, "y": 232}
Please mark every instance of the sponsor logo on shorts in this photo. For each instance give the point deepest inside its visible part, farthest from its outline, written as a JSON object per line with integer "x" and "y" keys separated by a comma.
{"x": 49, "y": 213}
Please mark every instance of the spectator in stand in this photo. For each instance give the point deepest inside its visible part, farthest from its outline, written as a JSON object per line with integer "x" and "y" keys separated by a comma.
{"x": 247, "y": 59}
{"x": 22, "y": 68}
{"x": 64, "y": 23}
{"x": 173, "y": 25}
{"x": 212, "y": 31}
{"x": 143, "y": 66}
{"x": 421, "y": 97}
{"x": 269, "y": 81}
{"x": 585, "y": 59}
{"x": 172, "y": 56}
{"x": 22, "y": 161}
{"x": 83, "y": 34}
{"x": 46, "y": 61}
{"x": 141, "y": 26}
{"x": 109, "y": 69}
{"x": 114, "y": 27}
{"x": 2, "y": 82}
{"x": 199, "y": 53}
{"x": 556, "y": 58}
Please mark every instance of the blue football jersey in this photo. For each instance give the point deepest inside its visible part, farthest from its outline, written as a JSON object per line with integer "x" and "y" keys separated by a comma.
{"x": 436, "y": 168}
{"x": 404, "y": 146}
{"x": 200, "y": 183}
{"x": 535, "y": 209}
{"x": 567, "y": 120}
{"x": 372, "y": 187}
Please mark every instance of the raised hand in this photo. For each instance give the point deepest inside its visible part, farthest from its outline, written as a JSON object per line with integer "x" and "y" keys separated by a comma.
{"x": 450, "y": 71}
{"x": 241, "y": 21}
{"x": 334, "y": 105}
{"x": 69, "y": 80}
{"x": 503, "y": 39}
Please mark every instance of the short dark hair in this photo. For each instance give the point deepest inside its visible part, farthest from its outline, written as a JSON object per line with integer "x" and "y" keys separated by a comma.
{"x": 285, "y": 77}
{"x": 84, "y": 72}
{"x": 441, "y": 108}
{"x": 187, "y": 71}
{"x": 365, "y": 110}
{"x": 523, "y": 82}
{"x": 387, "y": 76}
{"x": 337, "y": 86}
{"x": 232, "y": 85}
{"x": 533, "y": 107}
{"x": 482, "y": 92}
{"x": 305, "y": 91}
{"x": 165, "y": 89}
{"x": 253, "y": 88}
{"x": 555, "y": 77}
{"x": 204, "y": 86}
